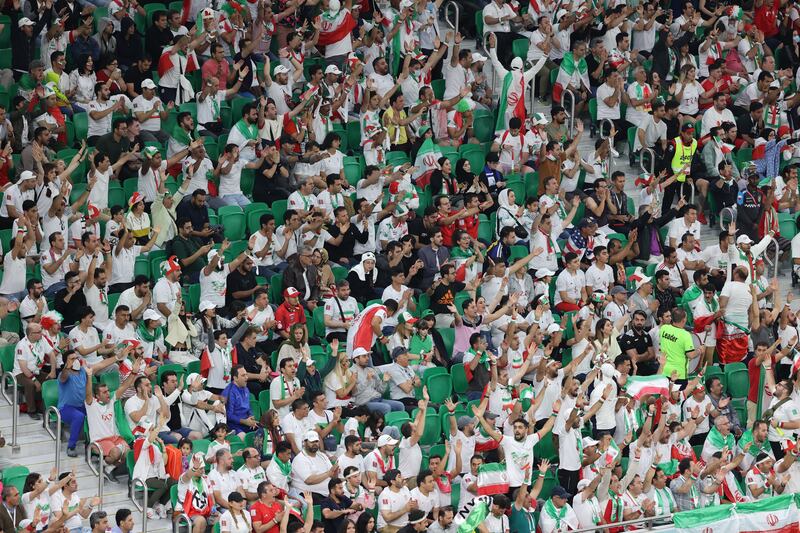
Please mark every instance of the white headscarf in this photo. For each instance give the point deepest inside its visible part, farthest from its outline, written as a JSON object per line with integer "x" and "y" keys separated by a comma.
{"x": 503, "y": 201}
{"x": 361, "y": 271}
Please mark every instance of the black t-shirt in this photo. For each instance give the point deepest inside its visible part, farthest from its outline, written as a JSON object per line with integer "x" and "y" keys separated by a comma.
{"x": 673, "y": 127}
{"x": 638, "y": 341}
{"x": 591, "y": 64}
{"x": 236, "y": 281}
{"x": 745, "y": 125}
{"x": 332, "y": 524}
{"x": 444, "y": 295}
{"x": 417, "y": 228}
{"x": 136, "y": 76}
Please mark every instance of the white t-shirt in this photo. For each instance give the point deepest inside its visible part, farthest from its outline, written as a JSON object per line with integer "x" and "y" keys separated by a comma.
{"x": 140, "y": 105}
{"x": 739, "y": 300}
{"x": 101, "y": 420}
{"x": 103, "y": 125}
{"x": 49, "y": 257}
{"x": 392, "y": 502}
{"x": 495, "y": 11}
{"x": 58, "y": 503}
{"x": 124, "y": 262}
{"x": 410, "y": 458}
{"x": 600, "y": 279}
{"x": 304, "y": 466}
{"x": 166, "y": 292}
{"x": 519, "y": 458}
{"x": 571, "y": 284}
{"x": 135, "y": 403}
{"x": 213, "y": 286}
{"x": 603, "y": 110}
{"x": 88, "y": 339}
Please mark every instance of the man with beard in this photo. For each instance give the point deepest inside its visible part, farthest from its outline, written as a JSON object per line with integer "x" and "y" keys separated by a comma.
{"x": 244, "y": 133}
{"x": 638, "y": 345}
{"x": 312, "y": 469}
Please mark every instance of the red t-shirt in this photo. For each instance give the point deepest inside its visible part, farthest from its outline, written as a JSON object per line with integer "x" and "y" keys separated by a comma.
{"x": 725, "y": 87}
{"x": 286, "y": 317}
{"x": 470, "y": 225}
{"x": 447, "y": 229}
{"x": 766, "y": 18}
{"x": 262, "y": 513}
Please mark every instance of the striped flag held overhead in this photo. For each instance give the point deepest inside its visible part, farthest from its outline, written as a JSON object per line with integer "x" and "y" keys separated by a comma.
{"x": 492, "y": 479}
{"x": 638, "y": 386}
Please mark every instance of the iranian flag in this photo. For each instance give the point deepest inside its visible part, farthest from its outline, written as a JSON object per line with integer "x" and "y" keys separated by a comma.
{"x": 569, "y": 66}
{"x": 165, "y": 63}
{"x": 335, "y": 26}
{"x": 706, "y": 520}
{"x": 513, "y": 96}
{"x": 638, "y": 386}
{"x": 492, "y": 479}
{"x": 771, "y": 515}
{"x": 426, "y": 162}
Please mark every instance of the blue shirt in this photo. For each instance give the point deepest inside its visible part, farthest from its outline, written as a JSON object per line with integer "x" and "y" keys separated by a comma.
{"x": 72, "y": 392}
{"x": 238, "y": 406}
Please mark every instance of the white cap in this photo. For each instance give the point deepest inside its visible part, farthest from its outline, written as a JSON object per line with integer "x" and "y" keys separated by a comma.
{"x": 553, "y": 328}
{"x": 26, "y": 175}
{"x": 544, "y": 272}
{"x": 332, "y": 69}
{"x": 148, "y": 84}
{"x": 561, "y": 13}
{"x": 386, "y": 440}
{"x": 211, "y": 253}
{"x": 582, "y": 484}
{"x": 24, "y": 21}
{"x": 744, "y": 239}
{"x": 358, "y": 352}
{"x": 640, "y": 282}
{"x": 280, "y": 69}
{"x": 311, "y": 436}
{"x": 193, "y": 376}
{"x": 589, "y": 441}
{"x": 205, "y": 305}
{"x": 477, "y": 57}
{"x": 775, "y": 84}
{"x": 149, "y": 314}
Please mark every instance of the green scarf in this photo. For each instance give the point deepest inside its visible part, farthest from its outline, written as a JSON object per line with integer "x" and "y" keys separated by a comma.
{"x": 183, "y": 137}
{"x": 145, "y": 335}
{"x": 747, "y": 437}
{"x": 556, "y": 515}
{"x": 248, "y": 131}
{"x": 285, "y": 468}
{"x": 718, "y": 441}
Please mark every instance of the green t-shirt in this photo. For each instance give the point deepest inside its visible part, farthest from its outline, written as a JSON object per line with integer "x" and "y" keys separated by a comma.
{"x": 185, "y": 248}
{"x": 418, "y": 345}
{"x": 522, "y": 520}
{"x": 676, "y": 343}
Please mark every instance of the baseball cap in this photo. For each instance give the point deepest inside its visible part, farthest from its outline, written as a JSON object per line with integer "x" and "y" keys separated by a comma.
{"x": 358, "y": 352}
{"x": 148, "y": 84}
{"x": 311, "y": 436}
{"x": 280, "y": 69}
{"x": 586, "y": 222}
{"x": 25, "y": 21}
{"x": 553, "y": 328}
{"x": 193, "y": 376}
{"x": 544, "y": 272}
{"x": 464, "y": 421}
{"x": 386, "y": 440}
{"x": 205, "y": 305}
{"x": 291, "y": 292}
{"x": 398, "y": 351}
{"x": 150, "y": 314}
{"x": 617, "y": 289}
{"x": 406, "y": 318}
{"x": 332, "y": 69}
{"x": 589, "y": 441}
{"x": 641, "y": 281}
{"x": 479, "y": 58}
{"x": 744, "y": 239}
{"x": 776, "y": 84}
{"x": 687, "y": 127}
{"x": 26, "y": 175}
{"x": 561, "y": 492}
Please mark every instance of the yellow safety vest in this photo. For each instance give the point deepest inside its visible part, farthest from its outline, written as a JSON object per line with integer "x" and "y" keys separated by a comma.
{"x": 683, "y": 157}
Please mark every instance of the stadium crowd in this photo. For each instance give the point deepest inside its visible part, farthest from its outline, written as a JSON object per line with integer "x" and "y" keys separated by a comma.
{"x": 318, "y": 265}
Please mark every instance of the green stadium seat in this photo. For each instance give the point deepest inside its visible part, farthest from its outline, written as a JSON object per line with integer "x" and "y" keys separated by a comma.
{"x": 738, "y": 380}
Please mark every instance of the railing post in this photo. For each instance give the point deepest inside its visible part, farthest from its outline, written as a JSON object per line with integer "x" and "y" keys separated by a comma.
{"x": 97, "y": 471}
{"x": 777, "y": 258}
{"x": 564, "y": 93}
{"x": 14, "y": 403}
{"x": 456, "y": 11}
{"x": 611, "y": 125}
{"x": 647, "y": 521}
{"x": 722, "y": 217}
{"x": 176, "y": 524}
{"x": 55, "y": 436}
{"x": 652, "y": 170}
{"x": 143, "y": 508}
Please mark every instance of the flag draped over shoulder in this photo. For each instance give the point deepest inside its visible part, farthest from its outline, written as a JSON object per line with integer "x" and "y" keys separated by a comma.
{"x": 477, "y": 514}
{"x": 565, "y": 72}
{"x": 492, "y": 479}
{"x": 638, "y": 386}
{"x": 165, "y": 62}
{"x": 426, "y": 162}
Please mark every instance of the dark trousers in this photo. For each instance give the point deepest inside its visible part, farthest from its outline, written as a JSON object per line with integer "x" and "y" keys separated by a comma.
{"x": 505, "y": 53}
{"x": 676, "y": 189}
{"x": 161, "y": 488}
{"x": 569, "y": 480}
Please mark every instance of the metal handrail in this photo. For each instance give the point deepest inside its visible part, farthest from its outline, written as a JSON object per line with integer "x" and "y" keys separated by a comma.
{"x": 777, "y": 258}
{"x": 564, "y": 93}
{"x": 602, "y": 122}
{"x": 56, "y": 436}
{"x": 97, "y": 471}
{"x": 642, "y": 520}
{"x": 457, "y": 12}
{"x": 143, "y": 507}
{"x": 14, "y": 403}
{"x": 652, "y": 170}
{"x": 486, "y": 48}
{"x": 182, "y": 517}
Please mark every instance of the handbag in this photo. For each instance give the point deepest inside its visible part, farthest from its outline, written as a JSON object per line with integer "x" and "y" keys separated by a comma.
{"x": 519, "y": 229}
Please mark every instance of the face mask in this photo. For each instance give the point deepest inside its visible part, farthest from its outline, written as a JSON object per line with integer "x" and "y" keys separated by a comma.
{"x": 76, "y": 365}
{"x": 796, "y": 38}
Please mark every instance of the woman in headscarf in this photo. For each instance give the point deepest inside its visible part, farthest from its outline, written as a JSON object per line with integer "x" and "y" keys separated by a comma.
{"x": 296, "y": 346}
{"x": 362, "y": 278}
{"x": 128, "y": 44}
{"x": 469, "y": 182}
{"x": 442, "y": 180}
{"x": 137, "y": 221}
{"x": 665, "y": 59}
{"x": 508, "y": 212}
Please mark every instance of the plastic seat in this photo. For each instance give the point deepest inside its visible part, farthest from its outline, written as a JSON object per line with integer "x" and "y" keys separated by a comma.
{"x": 178, "y": 369}
{"x": 116, "y": 196}
{"x": 484, "y": 127}
{"x": 193, "y": 305}
{"x": 396, "y": 418}
{"x": 110, "y": 380}
{"x": 440, "y": 387}
{"x": 738, "y": 380}
{"x": 81, "y": 123}
{"x": 459, "y": 378}
{"x": 200, "y": 445}
{"x": 432, "y": 433}
{"x": 438, "y": 87}
{"x": 278, "y": 210}
{"x": 449, "y": 339}
{"x": 123, "y": 428}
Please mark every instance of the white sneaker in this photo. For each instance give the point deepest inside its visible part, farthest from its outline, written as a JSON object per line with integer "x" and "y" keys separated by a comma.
{"x": 159, "y": 510}
{"x": 150, "y": 513}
